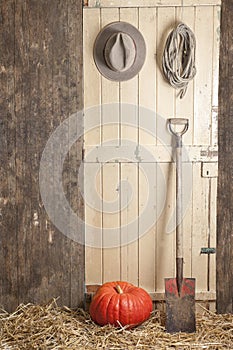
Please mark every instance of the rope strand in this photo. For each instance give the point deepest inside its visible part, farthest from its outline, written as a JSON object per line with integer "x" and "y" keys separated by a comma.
{"x": 179, "y": 58}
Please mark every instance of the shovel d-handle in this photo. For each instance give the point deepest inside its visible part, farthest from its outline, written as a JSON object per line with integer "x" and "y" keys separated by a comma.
{"x": 181, "y": 124}
{"x": 172, "y": 122}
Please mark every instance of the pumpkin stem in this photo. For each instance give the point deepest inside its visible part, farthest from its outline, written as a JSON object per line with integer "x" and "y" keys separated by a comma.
{"x": 119, "y": 289}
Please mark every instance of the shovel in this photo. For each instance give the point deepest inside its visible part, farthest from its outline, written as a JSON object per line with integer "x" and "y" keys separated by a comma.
{"x": 179, "y": 291}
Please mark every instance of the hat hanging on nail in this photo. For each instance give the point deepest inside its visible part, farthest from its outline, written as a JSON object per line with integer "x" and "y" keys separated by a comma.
{"x": 119, "y": 51}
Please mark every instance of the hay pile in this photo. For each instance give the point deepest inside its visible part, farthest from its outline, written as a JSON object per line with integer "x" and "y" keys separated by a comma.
{"x": 51, "y": 327}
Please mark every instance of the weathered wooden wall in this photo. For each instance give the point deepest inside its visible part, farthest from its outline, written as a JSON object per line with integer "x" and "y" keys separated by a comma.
{"x": 225, "y": 180}
{"x": 41, "y": 85}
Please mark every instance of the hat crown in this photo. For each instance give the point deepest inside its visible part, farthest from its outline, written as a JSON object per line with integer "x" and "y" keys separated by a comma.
{"x": 120, "y": 52}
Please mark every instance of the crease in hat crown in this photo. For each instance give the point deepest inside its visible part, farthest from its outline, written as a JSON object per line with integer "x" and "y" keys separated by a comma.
{"x": 119, "y": 51}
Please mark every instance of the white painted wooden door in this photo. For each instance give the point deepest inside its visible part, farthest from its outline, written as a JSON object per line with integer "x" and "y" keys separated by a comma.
{"x": 129, "y": 170}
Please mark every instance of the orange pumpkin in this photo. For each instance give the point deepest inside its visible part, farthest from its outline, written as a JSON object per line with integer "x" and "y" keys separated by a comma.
{"x": 120, "y": 303}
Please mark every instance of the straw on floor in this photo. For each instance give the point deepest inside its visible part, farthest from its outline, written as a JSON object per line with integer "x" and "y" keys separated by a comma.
{"x": 45, "y": 327}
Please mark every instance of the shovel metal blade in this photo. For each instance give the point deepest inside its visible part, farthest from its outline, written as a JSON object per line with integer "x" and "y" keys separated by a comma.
{"x": 180, "y": 307}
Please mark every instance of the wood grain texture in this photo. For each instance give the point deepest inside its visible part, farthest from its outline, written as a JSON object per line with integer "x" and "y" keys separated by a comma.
{"x": 41, "y": 55}
{"x": 225, "y": 183}
{"x": 149, "y": 3}
{"x": 153, "y": 254}
{"x": 129, "y": 89}
{"x": 184, "y": 108}
{"x": 111, "y": 220}
{"x": 8, "y": 238}
{"x": 146, "y": 242}
{"x": 129, "y": 215}
{"x": 203, "y": 81}
{"x": 110, "y": 130}
{"x": 92, "y": 97}
{"x": 93, "y": 219}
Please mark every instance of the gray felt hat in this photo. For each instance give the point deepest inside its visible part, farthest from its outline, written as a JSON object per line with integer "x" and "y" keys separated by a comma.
{"x": 119, "y": 51}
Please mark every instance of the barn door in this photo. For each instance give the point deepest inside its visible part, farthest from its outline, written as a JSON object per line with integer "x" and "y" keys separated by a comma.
{"x": 129, "y": 168}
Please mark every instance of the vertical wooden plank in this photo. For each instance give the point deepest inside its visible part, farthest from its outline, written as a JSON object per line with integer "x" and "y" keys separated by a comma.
{"x": 147, "y": 212}
{"x": 56, "y": 246}
{"x": 215, "y": 74}
{"x": 184, "y": 106}
{"x": 212, "y": 238}
{"x": 93, "y": 219}
{"x": 23, "y": 158}
{"x": 110, "y": 92}
{"x": 165, "y": 236}
{"x": 147, "y": 76}
{"x": 216, "y": 42}
{"x": 8, "y": 223}
{"x": 64, "y": 80}
{"x": 92, "y": 78}
{"x": 41, "y": 123}
{"x": 200, "y": 228}
{"x": 74, "y": 169}
{"x": 203, "y": 80}
{"x": 165, "y": 93}
{"x": 129, "y": 223}
{"x": 92, "y": 97}
{"x": 111, "y": 220}
{"x": 111, "y": 175}
{"x": 187, "y": 218}
{"x": 129, "y": 89}
{"x": 225, "y": 184}
{"x": 59, "y": 264}
{"x": 36, "y": 277}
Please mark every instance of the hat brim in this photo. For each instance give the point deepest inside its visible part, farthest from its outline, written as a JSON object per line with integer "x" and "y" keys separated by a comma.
{"x": 99, "y": 46}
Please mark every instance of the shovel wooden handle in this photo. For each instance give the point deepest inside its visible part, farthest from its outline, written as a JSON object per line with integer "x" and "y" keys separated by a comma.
{"x": 184, "y": 123}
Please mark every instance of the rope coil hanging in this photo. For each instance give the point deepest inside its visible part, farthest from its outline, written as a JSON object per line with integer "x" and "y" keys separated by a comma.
{"x": 179, "y": 58}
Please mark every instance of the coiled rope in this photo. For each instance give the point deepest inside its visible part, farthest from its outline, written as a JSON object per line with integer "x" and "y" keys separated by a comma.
{"x": 179, "y": 58}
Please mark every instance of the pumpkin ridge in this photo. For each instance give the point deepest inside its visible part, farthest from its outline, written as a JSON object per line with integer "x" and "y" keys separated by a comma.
{"x": 137, "y": 306}
{"x": 111, "y": 309}
{"x": 123, "y": 309}
{"x": 94, "y": 305}
{"x": 101, "y": 310}
{"x": 131, "y": 308}
{"x": 97, "y": 304}
{"x": 147, "y": 303}
{"x": 130, "y": 313}
{"x": 141, "y": 303}
{"x": 142, "y": 306}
